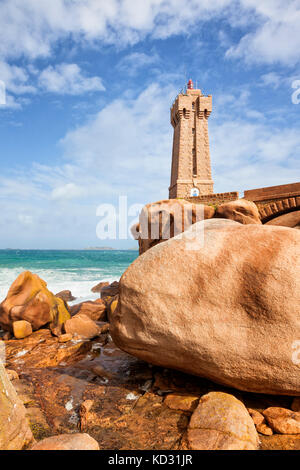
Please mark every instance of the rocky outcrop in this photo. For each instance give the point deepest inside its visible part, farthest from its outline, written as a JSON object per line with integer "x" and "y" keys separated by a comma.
{"x": 218, "y": 309}
{"x": 110, "y": 291}
{"x": 260, "y": 422}
{"x": 65, "y": 295}
{"x": 29, "y": 299}
{"x": 81, "y": 325}
{"x": 162, "y": 220}
{"x": 67, "y": 442}
{"x": 283, "y": 421}
{"x": 221, "y": 422}
{"x": 15, "y": 433}
{"x": 42, "y": 349}
{"x": 94, "y": 310}
{"x": 242, "y": 211}
{"x": 99, "y": 286}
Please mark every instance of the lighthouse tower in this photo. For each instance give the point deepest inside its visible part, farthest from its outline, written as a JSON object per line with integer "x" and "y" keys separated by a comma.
{"x": 191, "y": 168}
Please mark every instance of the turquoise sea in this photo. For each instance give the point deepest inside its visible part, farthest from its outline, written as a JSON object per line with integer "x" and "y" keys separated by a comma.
{"x": 76, "y": 270}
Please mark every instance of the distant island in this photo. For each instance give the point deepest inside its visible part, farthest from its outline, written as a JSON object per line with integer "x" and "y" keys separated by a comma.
{"x": 99, "y": 248}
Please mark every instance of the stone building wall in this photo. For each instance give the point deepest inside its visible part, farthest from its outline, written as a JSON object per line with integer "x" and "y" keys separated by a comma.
{"x": 215, "y": 199}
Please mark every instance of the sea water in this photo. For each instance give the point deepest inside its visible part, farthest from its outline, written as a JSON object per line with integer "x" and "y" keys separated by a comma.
{"x": 76, "y": 270}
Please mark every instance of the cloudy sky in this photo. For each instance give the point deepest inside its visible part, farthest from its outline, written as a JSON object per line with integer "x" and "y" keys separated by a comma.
{"x": 89, "y": 84}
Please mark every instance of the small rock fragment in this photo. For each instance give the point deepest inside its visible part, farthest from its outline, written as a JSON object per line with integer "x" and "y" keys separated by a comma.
{"x": 22, "y": 329}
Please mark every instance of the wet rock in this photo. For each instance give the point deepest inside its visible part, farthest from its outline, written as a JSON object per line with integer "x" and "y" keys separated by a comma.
{"x": 29, "y": 299}
{"x": 21, "y": 329}
{"x": 283, "y": 421}
{"x": 181, "y": 402}
{"x": 221, "y": 422}
{"x": 15, "y": 433}
{"x": 110, "y": 291}
{"x": 65, "y": 338}
{"x": 242, "y": 211}
{"x": 82, "y": 326}
{"x": 94, "y": 310}
{"x": 65, "y": 295}
{"x": 67, "y": 442}
{"x": 41, "y": 349}
{"x": 241, "y": 287}
{"x": 98, "y": 287}
{"x": 260, "y": 422}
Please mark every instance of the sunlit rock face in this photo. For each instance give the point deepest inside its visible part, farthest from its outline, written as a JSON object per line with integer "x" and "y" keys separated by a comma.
{"x": 226, "y": 309}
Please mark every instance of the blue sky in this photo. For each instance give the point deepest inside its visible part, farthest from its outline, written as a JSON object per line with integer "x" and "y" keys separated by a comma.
{"x": 89, "y": 84}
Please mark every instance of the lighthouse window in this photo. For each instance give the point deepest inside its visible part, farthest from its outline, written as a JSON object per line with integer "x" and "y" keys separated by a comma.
{"x": 193, "y": 105}
{"x": 193, "y": 130}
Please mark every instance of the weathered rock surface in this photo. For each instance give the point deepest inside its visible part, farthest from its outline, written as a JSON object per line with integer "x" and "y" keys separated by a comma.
{"x": 283, "y": 421}
{"x": 94, "y": 310}
{"x": 29, "y": 299}
{"x": 21, "y": 329}
{"x": 165, "y": 219}
{"x": 65, "y": 295}
{"x": 15, "y": 433}
{"x": 242, "y": 211}
{"x": 219, "y": 309}
{"x": 76, "y": 441}
{"x": 82, "y": 326}
{"x": 260, "y": 422}
{"x": 181, "y": 402}
{"x": 41, "y": 349}
{"x": 221, "y": 422}
{"x": 99, "y": 286}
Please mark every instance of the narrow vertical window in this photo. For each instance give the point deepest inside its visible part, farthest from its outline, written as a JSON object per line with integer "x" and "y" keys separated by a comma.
{"x": 194, "y": 162}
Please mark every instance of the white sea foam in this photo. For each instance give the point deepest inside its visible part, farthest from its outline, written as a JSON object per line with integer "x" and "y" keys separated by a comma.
{"x": 78, "y": 281}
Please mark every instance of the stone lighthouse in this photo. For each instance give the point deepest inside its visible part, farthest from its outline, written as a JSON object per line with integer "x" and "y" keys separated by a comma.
{"x": 191, "y": 168}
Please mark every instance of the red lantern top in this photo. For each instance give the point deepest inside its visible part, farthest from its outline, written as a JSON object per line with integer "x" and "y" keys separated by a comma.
{"x": 190, "y": 85}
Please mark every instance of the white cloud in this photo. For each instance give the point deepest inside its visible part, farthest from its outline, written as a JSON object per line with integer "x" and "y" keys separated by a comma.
{"x": 31, "y": 28}
{"x": 15, "y": 78}
{"x": 126, "y": 137}
{"x": 68, "y": 79}
{"x": 135, "y": 61}
{"x": 67, "y": 191}
{"x": 272, "y": 79}
{"x": 248, "y": 155}
{"x": 276, "y": 37}
{"x": 270, "y": 28}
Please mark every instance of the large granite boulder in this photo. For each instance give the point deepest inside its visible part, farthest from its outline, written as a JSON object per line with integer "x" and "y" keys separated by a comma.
{"x": 29, "y": 299}
{"x": 165, "y": 219}
{"x": 221, "y": 422}
{"x": 15, "y": 433}
{"x": 242, "y": 211}
{"x": 226, "y": 309}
